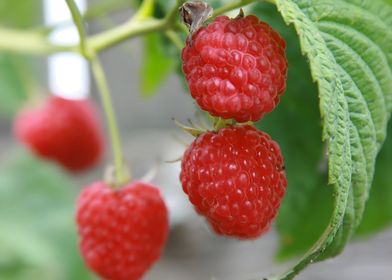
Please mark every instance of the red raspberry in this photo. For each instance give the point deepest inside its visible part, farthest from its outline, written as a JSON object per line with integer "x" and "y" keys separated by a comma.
{"x": 236, "y": 179}
{"x": 122, "y": 233}
{"x": 66, "y": 131}
{"x": 236, "y": 68}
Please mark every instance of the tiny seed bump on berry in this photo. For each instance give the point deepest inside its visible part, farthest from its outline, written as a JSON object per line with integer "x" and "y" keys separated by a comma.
{"x": 241, "y": 43}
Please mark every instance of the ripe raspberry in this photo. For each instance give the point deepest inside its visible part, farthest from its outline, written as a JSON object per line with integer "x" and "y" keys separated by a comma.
{"x": 122, "y": 233}
{"x": 236, "y": 68}
{"x": 236, "y": 179}
{"x": 66, "y": 131}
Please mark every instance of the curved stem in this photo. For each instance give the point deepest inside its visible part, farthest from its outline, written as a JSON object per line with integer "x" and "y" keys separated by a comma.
{"x": 173, "y": 14}
{"x": 32, "y": 42}
{"x": 175, "y": 39}
{"x": 107, "y": 103}
{"x": 120, "y": 177}
{"x": 78, "y": 20}
{"x": 231, "y": 6}
{"x": 95, "y": 10}
{"x": 146, "y": 10}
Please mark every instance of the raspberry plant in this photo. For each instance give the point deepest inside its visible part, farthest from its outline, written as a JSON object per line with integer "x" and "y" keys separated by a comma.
{"x": 340, "y": 49}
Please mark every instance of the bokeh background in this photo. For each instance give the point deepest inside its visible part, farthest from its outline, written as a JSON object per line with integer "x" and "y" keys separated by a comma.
{"x": 37, "y": 234}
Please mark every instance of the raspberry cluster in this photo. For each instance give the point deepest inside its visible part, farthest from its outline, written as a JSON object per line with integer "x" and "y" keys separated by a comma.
{"x": 234, "y": 176}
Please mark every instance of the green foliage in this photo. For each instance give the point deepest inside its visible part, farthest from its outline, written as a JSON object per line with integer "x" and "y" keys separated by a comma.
{"x": 19, "y": 14}
{"x": 347, "y": 44}
{"x": 37, "y": 234}
{"x": 156, "y": 64}
{"x": 12, "y": 91}
{"x": 294, "y": 125}
{"x": 15, "y": 14}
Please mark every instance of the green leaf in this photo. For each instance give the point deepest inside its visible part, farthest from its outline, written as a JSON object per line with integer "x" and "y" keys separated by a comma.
{"x": 347, "y": 44}
{"x": 307, "y": 197}
{"x": 36, "y": 221}
{"x": 156, "y": 65}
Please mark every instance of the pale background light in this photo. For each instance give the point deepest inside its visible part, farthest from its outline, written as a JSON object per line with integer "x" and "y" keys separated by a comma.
{"x": 68, "y": 74}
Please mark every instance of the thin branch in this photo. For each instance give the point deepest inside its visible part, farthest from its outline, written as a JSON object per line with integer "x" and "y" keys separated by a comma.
{"x": 231, "y": 6}
{"x": 175, "y": 39}
{"x": 103, "y": 88}
{"x": 134, "y": 27}
{"x": 27, "y": 42}
{"x": 124, "y": 32}
{"x": 172, "y": 16}
{"x": 35, "y": 43}
{"x": 78, "y": 20}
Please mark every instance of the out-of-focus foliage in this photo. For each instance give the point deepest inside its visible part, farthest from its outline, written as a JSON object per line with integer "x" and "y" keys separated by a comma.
{"x": 378, "y": 213}
{"x": 156, "y": 66}
{"x": 347, "y": 44}
{"x": 14, "y": 69}
{"x": 12, "y": 90}
{"x": 37, "y": 233}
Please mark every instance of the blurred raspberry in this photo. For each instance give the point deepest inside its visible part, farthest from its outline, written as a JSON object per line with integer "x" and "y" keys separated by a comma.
{"x": 122, "y": 233}
{"x": 66, "y": 131}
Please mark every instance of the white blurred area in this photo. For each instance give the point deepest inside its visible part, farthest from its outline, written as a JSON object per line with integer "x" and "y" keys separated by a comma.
{"x": 68, "y": 74}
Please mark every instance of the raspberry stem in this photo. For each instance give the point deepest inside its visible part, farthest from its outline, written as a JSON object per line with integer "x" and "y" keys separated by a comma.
{"x": 78, "y": 20}
{"x": 175, "y": 39}
{"x": 120, "y": 174}
{"x": 35, "y": 42}
{"x": 231, "y": 6}
{"x": 145, "y": 11}
{"x": 221, "y": 123}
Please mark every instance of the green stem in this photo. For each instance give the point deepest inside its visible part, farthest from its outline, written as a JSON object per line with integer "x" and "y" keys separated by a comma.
{"x": 78, "y": 20}
{"x": 175, "y": 39}
{"x": 220, "y": 123}
{"x": 120, "y": 177}
{"x": 145, "y": 10}
{"x": 124, "y": 32}
{"x": 32, "y": 42}
{"x": 93, "y": 11}
{"x": 28, "y": 42}
{"x": 231, "y": 6}
{"x": 107, "y": 103}
{"x": 135, "y": 27}
{"x": 172, "y": 16}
